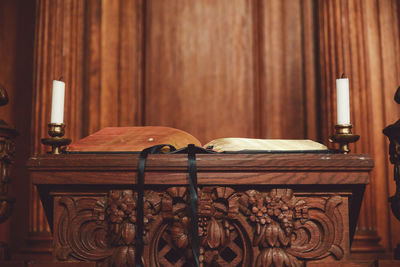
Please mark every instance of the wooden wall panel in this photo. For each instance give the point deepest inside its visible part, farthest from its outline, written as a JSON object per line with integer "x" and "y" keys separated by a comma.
{"x": 199, "y": 67}
{"x": 223, "y": 68}
{"x": 287, "y": 70}
{"x": 92, "y": 69}
{"x": 209, "y": 56}
{"x": 131, "y": 63}
{"x": 342, "y": 49}
{"x": 109, "y": 64}
{"x": 113, "y": 65}
{"x": 95, "y": 46}
{"x": 374, "y": 75}
{"x": 58, "y": 54}
{"x": 310, "y": 72}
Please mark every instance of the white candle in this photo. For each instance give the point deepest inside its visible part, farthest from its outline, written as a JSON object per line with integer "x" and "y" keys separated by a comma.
{"x": 57, "y": 104}
{"x": 343, "y": 101}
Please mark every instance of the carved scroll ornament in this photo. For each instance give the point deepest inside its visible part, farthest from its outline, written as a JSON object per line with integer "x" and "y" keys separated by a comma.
{"x": 236, "y": 228}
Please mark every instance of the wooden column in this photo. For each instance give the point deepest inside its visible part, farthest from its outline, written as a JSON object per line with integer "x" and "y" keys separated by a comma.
{"x": 96, "y": 48}
{"x": 286, "y": 69}
{"x": 113, "y": 64}
{"x": 58, "y": 55}
{"x": 356, "y": 38}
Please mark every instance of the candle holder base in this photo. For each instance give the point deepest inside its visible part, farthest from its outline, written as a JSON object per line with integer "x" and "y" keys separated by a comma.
{"x": 56, "y": 141}
{"x": 343, "y": 136}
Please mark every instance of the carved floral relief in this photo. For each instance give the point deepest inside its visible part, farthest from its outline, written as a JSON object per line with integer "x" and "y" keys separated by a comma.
{"x": 236, "y": 228}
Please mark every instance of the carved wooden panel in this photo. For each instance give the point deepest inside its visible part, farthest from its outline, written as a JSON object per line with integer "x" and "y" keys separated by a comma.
{"x": 223, "y": 68}
{"x": 275, "y": 227}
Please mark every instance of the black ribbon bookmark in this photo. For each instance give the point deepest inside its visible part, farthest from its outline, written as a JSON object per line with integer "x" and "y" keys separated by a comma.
{"x": 191, "y": 150}
{"x": 140, "y": 201}
{"x": 192, "y": 167}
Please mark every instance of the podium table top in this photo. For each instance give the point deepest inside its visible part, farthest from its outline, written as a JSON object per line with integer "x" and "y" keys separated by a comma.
{"x": 269, "y": 168}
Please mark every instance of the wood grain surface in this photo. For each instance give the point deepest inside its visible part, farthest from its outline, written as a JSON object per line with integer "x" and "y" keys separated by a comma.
{"x": 262, "y": 161}
{"x": 199, "y": 61}
{"x": 263, "y": 169}
{"x": 310, "y": 179}
{"x": 261, "y": 69}
{"x": 287, "y": 83}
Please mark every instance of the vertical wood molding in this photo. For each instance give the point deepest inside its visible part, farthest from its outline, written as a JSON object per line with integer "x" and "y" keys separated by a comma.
{"x": 44, "y": 69}
{"x": 199, "y": 62}
{"x": 58, "y": 53}
{"x": 113, "y": 64}
{"x": 375, "y": 77}
{"x": 342, "y": 50}
{"x": 96, "y": 47}
{"x": 110, "y": 63}
{"x": 92, "y": 69}
{"x": 310, "y": 73}
{"x": 287, "y": 76}
{"x": 130, "y": 97}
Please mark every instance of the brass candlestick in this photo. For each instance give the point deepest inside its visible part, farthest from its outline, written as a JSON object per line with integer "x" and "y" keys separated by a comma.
{"x": 56, "y": 141}
{"x": 343, "y": 136}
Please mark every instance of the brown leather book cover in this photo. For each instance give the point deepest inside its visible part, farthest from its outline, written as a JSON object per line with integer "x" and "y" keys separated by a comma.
{"x": 133, "y": 139}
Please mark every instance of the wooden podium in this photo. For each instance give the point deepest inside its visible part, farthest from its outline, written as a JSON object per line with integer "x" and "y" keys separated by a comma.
{"x": 294, "y": 209}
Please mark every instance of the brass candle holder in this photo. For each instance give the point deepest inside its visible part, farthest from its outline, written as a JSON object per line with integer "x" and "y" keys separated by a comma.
{"x": 56, "y": 141}
{"x": 344, "y": 136}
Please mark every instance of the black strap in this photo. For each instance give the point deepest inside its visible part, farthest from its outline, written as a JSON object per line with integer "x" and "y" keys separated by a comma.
{"x": 193, "y": 203}
{"x": 140, "y": 201}
{"x": 191, "y": 150}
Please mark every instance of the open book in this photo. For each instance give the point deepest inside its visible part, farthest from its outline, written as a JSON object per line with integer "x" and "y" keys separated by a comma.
{"x": 138, "y": 138}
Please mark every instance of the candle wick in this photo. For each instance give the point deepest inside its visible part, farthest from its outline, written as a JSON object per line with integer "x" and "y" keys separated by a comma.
{"x": 61, "y": 78}
{"x": 342, "y": 75}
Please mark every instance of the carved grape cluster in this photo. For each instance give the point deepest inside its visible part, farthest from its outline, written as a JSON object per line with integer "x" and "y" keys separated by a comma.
{"x": 203, "y": 225}
{"x": 277, "y": 208}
